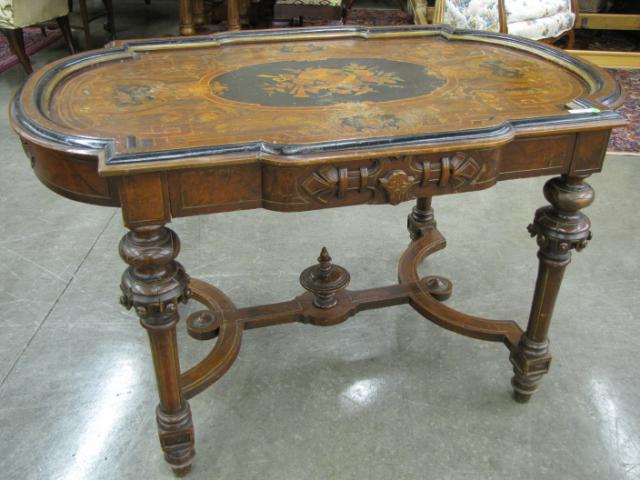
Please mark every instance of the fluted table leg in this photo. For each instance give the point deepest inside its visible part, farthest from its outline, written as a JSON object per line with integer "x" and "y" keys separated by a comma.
{"x": 559, "y": 228}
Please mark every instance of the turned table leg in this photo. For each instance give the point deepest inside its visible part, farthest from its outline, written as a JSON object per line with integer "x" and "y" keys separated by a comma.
{"x": 154, "y": 284}
{"x": 233, "y": 15}
{"x": 187, "y": 26}
{"x": 421, "y": 218}
{"x": 559, "y": 228}
{"x": 198, "y": 13}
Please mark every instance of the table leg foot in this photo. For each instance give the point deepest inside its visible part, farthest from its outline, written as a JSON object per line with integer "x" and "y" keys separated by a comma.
{"x": 176, "y": 438}
{"x": 181, "y": 471}
{"x": 521, "y": 397}
{"x": 558, "y": 228}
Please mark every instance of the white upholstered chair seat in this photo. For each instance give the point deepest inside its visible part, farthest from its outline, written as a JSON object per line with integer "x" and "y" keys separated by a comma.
{"x": 23, "y": 13}
{"x": 473, "y": 14}
{"x": 545, "y": 27}
{"x": 534, "y": 19}
{"x": 519, "y": 10}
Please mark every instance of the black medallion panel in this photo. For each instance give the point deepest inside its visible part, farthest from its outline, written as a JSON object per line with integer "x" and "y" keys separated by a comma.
{"x": 325, "y": 82}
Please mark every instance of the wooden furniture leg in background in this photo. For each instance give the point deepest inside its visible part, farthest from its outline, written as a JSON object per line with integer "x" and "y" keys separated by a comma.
{"x": 198, "y": 13}
{"x": 233, "y": 15}
{"x": 558, "y": 228}
{"x": 16, "y": 44}
{"x": 154, "y": 284}
{"x": 65, "y": 28}
{"x": 111, "y": 24}
{"x": 187, "y": 26}
{"x": 84, "y": 17}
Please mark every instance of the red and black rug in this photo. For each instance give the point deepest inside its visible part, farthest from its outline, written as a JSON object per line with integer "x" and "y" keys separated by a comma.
{"x": 628, "y": 140}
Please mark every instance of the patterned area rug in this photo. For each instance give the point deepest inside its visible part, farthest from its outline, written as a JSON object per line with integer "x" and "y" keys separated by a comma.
{"x": 34, "y": 42}
{"x": 628, "y": 140}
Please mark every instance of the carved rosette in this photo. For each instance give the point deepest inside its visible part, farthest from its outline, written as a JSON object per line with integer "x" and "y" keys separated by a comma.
{"x": 154, "y": 282}
{"x": 398, "y": 186}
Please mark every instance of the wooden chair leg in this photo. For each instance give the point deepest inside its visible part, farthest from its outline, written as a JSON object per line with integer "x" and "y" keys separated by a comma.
{"x": 233, "y": 15}
{"x": 111, "y": 25}
{"x": 186, "y": 18}
{"x": 84, "y": 16}
{"x": 16, "y": 43}
{"x": 63, "y": 23}
{"x": 571, "y": 41}
{"x": 198, "y": 13}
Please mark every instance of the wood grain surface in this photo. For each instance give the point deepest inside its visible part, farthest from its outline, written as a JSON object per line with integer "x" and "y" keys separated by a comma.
{"x": 303, "y": 93}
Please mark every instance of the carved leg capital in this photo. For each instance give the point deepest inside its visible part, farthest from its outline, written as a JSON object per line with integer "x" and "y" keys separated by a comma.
{"x": 152, "y": 285}
{"x": 558, "y": 228}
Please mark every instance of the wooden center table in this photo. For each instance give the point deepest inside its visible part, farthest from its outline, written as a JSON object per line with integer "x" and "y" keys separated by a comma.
{"x": 305, "y": 119}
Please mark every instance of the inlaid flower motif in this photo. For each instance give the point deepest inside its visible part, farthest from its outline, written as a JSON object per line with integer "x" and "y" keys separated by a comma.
{"x": 353, "y": 79}
{"x": 132, "y": 95}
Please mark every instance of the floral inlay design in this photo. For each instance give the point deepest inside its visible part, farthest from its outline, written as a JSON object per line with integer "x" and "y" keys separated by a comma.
{"x": 499, "y": 69}
{"x": 354, "y": 79}
{"x": 325, "y": 82}
{"x": 132, "y": 95}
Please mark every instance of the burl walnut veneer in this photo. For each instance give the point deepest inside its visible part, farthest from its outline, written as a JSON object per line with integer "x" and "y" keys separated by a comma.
{"x": 305, "y": 119}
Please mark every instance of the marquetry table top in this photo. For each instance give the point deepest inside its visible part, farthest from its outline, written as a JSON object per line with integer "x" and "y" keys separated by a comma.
{"x": 306, "y": 93}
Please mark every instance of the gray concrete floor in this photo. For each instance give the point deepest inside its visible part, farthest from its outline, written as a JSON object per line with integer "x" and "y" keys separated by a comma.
{"x": 384, "y": 395}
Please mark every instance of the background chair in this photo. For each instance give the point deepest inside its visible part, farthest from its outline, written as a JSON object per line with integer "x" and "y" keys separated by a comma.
{"x": 17, "y": 14}
{"x": 547, "y": 20}
{"x": 86, "y": 17}
{"x": 307, "y": 12}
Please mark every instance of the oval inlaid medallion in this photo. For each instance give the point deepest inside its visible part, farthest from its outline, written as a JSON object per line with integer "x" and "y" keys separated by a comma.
{"x": 325, "y": 82}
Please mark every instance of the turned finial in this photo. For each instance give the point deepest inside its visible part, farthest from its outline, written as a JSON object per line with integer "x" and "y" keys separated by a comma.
{"x": 324, "y": 262}
{"x": 324, "y": 280}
